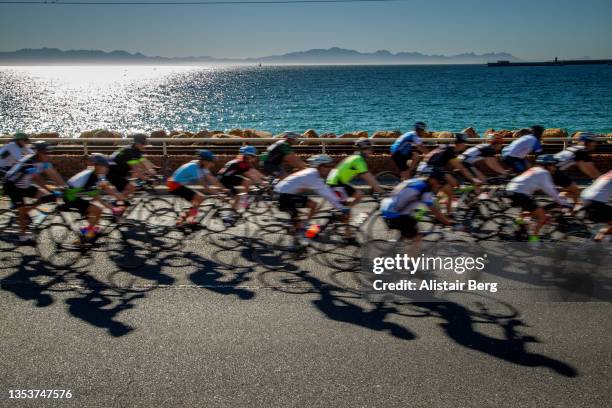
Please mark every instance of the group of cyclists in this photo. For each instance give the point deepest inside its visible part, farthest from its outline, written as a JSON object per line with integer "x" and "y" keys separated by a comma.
{"x": 25, "y": 170}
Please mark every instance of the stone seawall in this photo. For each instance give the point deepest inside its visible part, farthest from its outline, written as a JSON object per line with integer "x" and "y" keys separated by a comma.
{"x": 69, "y": 165}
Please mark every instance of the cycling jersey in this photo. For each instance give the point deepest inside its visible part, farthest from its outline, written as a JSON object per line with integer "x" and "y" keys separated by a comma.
{"x": 439, "y": 157}
{"x": 87, "y": 181}
{"x": 10, "y": 153}
{"x": 347, "y": 170}
{"x": 276, "y": 152}
{"x": 477, "y": 153}
{"x": 124, "y": 158}
{"x": 600, "y": 190}
{"x": 568, "y": 157}
{"x": 22, "y": 172}
{"x": 535, "y": 179}
{"x": 234, "y": 167}
{"x": 189, "y": 173}
{"x": 307, "y": 180}
{"x": 403, "y": 144}
{"x": 523, "y": 146}
{"x": 406, "y": 197}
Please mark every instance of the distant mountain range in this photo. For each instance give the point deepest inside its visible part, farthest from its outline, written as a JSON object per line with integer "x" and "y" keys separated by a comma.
{"x": 334, "y": 55}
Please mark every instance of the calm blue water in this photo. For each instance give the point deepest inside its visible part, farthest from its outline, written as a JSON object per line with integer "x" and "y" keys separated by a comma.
{"x": 328, "y": 99}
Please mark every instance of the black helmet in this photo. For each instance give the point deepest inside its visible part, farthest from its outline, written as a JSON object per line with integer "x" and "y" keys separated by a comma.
{"x": 139, "y": 138}
{"x": 547, "y": 160}
{"x": 461, "y": 137}
{"x": 363, "y": 143}
{"x": 537, "y": 130}
{"x": 420, "y": 125}
{"x": 40, "y": 146}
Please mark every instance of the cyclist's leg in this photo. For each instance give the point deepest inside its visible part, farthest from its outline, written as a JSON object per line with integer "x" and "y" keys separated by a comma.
{"x": 416, "y": 159}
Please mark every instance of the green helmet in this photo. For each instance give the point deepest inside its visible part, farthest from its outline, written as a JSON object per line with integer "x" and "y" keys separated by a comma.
{"x": 21, "y": 136}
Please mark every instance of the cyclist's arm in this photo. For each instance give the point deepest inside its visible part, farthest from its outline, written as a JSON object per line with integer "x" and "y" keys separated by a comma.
{"x": 254, "y": 175}
{"x": 548, "y": 187}
{"x": 494, "y": 165}
{"x": 439, "y": 216}
{"x": 588, "y": 168}
{"x": 209, "y": 180}
{"x": 148, "y": 166}
{"x": 294, "y": 161}
{"x": 326, "y": 192}
{"x": 372, "y": 182}
{"x": 55, "y": 177}
{"x": 457, "y": 165}
{"x": 138, "y": 169}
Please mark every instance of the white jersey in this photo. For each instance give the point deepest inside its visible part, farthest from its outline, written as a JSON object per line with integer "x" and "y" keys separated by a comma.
{"x": 568, "y": 157}
{"x": 523, "y": 146}
{"x": 11, "y": 153}
{"x": 600, "y": 190}
{"x": 406, "y": 197}
{"x": 535, "y": 179}
{"x": 307, "y": 180}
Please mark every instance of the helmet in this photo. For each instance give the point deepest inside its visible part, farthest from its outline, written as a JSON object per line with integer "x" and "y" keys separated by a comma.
{"x": 420, "y": 125}
{"x": 248, "y": 150}
{"x": 21, "y": 136}
{"x": 537, "y": 130}
{"x": 290, "y": 135}
{"x": 206, "y": 155}
{"x": 99, "y": 159}
{"x": 547, "y": 160}
{"x": 42, "y": 146}
{"x": 363, "y": 143}
{"x": 587, "y": 137}
{"x": 460, "y": 137}
{"x": 496, "y": 138}
{"x": 139, "y": 138}
{"x": 319, "y": 160}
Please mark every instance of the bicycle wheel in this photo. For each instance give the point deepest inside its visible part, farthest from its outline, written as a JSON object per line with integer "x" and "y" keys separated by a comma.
{"x": 227, "y": 229}
{"x": 161, "y": 225}
{"x": 59, "y": 245}
{"x": 128, "y": 244}
{"x": 481, "y": 306}
{"x": 274, "y": 245}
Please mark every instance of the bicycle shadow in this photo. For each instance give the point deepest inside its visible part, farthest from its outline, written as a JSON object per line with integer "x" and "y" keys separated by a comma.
{"x": 213, "y": 276}
{"x": 459, "y": 326}
{"x": 88, "y": 299}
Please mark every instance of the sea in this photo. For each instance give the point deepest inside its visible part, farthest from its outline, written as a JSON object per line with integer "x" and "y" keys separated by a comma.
{"x": 336, "y": 99}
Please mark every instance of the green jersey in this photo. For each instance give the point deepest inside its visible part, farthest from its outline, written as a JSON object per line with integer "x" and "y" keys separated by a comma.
{"x": 347, "y": 170}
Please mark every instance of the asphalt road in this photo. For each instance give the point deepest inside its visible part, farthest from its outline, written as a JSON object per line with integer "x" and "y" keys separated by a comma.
{"x": 198, "y": 325}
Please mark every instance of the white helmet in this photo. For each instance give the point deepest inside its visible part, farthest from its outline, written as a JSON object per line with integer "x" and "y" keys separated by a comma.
{"x": 319, "y": 160}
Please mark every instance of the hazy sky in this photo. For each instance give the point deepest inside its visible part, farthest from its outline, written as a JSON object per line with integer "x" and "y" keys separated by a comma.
{"x": 529, "y": 29}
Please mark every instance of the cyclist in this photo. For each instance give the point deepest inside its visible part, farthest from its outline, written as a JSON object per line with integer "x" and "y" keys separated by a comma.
{"x": 292, "y": 190}
{"x": 444, "y": 158}
{"x": 538, "y": 178}
{"x": 129, "y": 162}
{"x": 596, "y": 198}
{"x": 280, "y": 155}
{"x": 195, "y": 171}
{"x": 514, "y": 155}
{"x": 25, "y": 179}
{"x": 240, "y": 173}
{"x": 576, "y": 155}
{"x": 339, "y": 179}
{"x": 91, "y": 182}
{"x": 402, "y": 150}
{"x": 399, "y": 208}
{"x": 484, "y": 153}
{"x": 14, "y": 150}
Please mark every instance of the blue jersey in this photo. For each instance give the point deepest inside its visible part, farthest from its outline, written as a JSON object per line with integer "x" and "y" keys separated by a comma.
{"x": 403, "y": 144}
{"x": 189, "y": 173}
{"x": 406, "y": 197}
{"x": 523, "y": 146}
